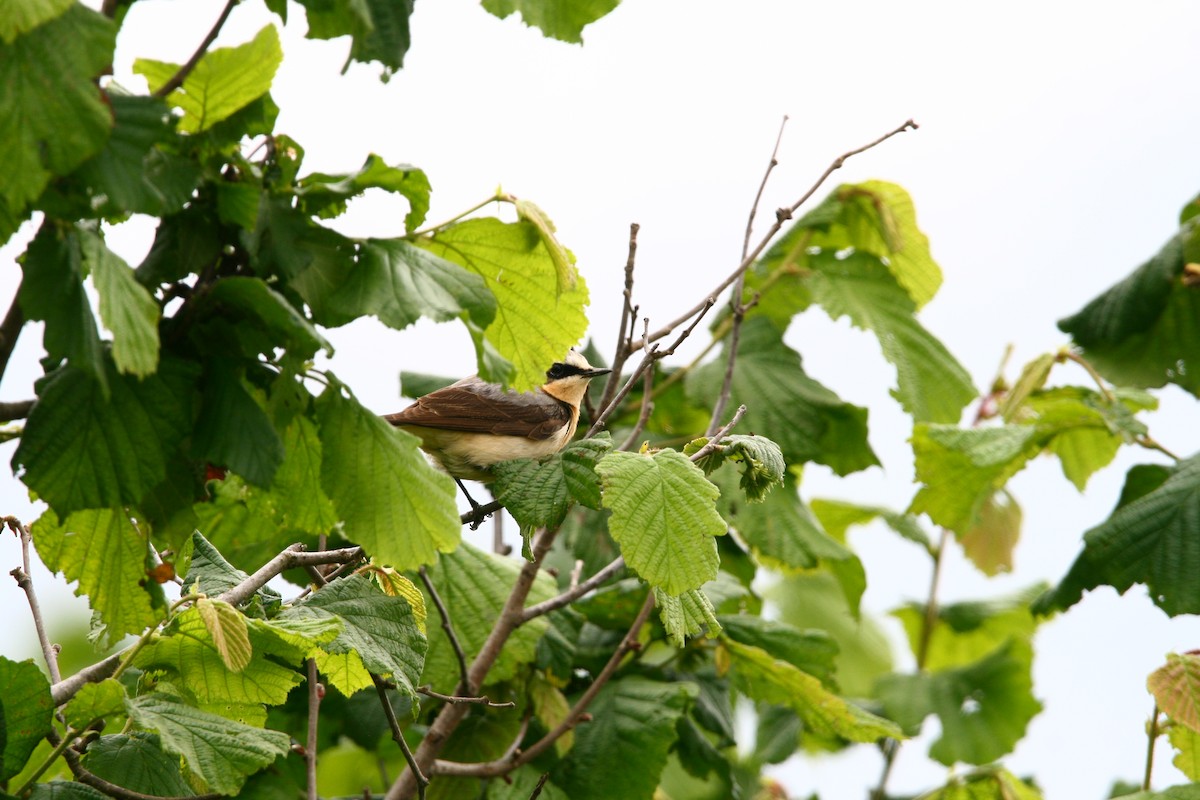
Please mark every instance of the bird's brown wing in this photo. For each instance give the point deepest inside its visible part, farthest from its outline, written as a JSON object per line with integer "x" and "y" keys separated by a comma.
{"x": 477, "y": 407}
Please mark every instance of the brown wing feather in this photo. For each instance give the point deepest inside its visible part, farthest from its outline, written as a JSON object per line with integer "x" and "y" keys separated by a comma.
{"x": 477, "y": 407}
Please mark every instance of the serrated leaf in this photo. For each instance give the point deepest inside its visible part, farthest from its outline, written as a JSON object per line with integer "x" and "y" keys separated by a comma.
{"x": 990, "y": 542}
{"x": 137, "y": 762}
{"x": 762, "y": 677}
{"x": 126, "y": 308}
{"x": 64, "y": 790}
{"x": 663, "y": 517}
{"x": 538, "y": 493}
{"x": 475, "y": 584}
{"x": 807, "y": 420}
{"x": 26, "y": 713}
{"x": 224, "y": 81}
{"x": 54, "y": 115}
{"x": 210, "y": 573}
{"x": 837, "y": 516}
{"x": 255, "y": 303}
{"x": 228, "y": 630}
{"x": 557, "y": 19}
{"x": 382, "y": 630}
{"x": 686, "y": 615}
{"x": 550, "y": 707}
{"x": 24, "y": 15}
{"x": 534, "y": 323}
{"x": 219, "y": 751}
{"x": 379, "y": 29}
{"x": 302, "y": 502}
{"x": 760, "y": 461}
{"x": 109, "y": 556}
{"x": 633, "y": 725}
{"x": 984, "y": 707}
{"x": 232, "y": 429}
{"x": 391, "y": 500}
{"x": 324, "y": 195}
{"x": 394, "y": 584}
{"x": 1148, "y": 540}
{"x": 1143, "y": 330}
{"x": 989, "y": 783}
{"x": 95, "y": 701}
{"x": 1176, "y": 689}
{"x": 1032, "y": 378}
{"x": 811, "y": 651}
{"x": 1187, "y": 750}
{"x": 344, "y": 671}
{"x": 563, "y": 260}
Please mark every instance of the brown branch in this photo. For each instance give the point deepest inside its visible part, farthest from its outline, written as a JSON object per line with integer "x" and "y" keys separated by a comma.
{"x": 176, "y": 80}
{"x": 620, "y": 353}
{"x": 10, "y": 330}
{"x": 477, "y": 515}
{"x": 22, "y": 576}
{"x": 575, "y": 592}
{"x": 647, "y": 409}
{"x": 714, "y": 441}
{"x": 315, "y": 691}
{"x": 774, "y": 162}
{"x": 16, "y": 410}
{"x": 781, "y": 216}
{"x": 454, "y": 698}
{"x": 463, "y": 681}
{"x": 537, "y": 790}
{"x": 398, "y": 735}
{"x": 293, "y": 556}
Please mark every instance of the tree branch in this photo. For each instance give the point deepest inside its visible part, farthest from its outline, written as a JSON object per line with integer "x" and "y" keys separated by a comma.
{"x": 315, "y": 691}
{"x": 451, "y": 698}
{"x": 176, "y": 80}
{"x": 293, "y": 556}
{"x": 620, "y": 353}
{"x": 714, "y": 441}
{"x": 398, "y": 735}
{"x": 463, "y": 683}
{"x": 17, "y": 410}
{"x": 574, "y": 593}
{"x": 10, "y": 330}
{"x": 477, "y": 515}
{"x": 22, "y": 576}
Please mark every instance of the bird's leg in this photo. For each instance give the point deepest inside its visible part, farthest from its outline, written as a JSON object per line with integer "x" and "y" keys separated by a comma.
{"x": 475, "y": 523}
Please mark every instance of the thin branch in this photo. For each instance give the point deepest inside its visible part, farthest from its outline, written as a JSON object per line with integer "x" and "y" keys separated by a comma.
{"x": 573, "y": 594}
{"x": 774, "y": 162}
{"x": 398, "y": 735}
{"x": 65, "y": 689}
{"x": 16, "y": 410}
{"x": 782, "y": 215}
{"x": 1087, "y": 365}
{"x": 453, "y": 698}
{"x": 714, "y": 441}
{"x": 499, "y": 197}
{"x": 477, "y": 515}
{"x": 1151, "y": 737}
{"x": 10, "y": 329}
{"x": 1150, "y": 443}
{"x": 537, "y": 790}
{"x": 292, "y": 556}
{"x": 25, "y": 581}
{"x": 315, "y": 691}
{"x": 181, "y": 74}
{"x": 463, "y": 681}
{"x": 620, "y": 354}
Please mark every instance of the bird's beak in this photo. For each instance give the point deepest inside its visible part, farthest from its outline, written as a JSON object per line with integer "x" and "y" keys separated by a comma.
{"x": 594, "y": 373}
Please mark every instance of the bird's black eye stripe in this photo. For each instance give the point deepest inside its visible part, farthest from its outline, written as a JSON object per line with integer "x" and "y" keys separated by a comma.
{"x": 561, "y": 370}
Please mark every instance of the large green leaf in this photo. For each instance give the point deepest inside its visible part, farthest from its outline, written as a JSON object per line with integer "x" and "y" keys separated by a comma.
{"x": 1144, "y": 331}
{"x": 232, "y": 429}
{"x": 94, "y": 702}
{"x": 324, "y": 195}
{"x": 812, "y": 651}
{"x": 1151, "y": 540}
{"x": 965, "y": 632}
{"x": 391, "y": 500}
{"x": 806, "y": 420}
{"x": 303, "y": 504}
{"x": 989, "y": 783}
{"x": 110, "y": 556}
{"x": 534, "y": 325}
{"x": 538, "y": 493}
{"x": 378, "y": 28}
{"x": 663, "y": 517}
{"x": 984, "y": 707}
{"x": 837, "y": 516}
{"x": 54, "y": 115}
{"x": 26, "y": 713}
{"x": 220, "y": 752}
{"x": 225, "y": 80}
{"x": 23, "y": 16}
{"x": 136, "y": 761}
{"x": 82, "y": 450}
{"x": 475, "y": 584}
{"x": 557, "y": 19}
{"x": 931, "y": 385}
{"x": 251, "y": 301}
{"x": 126, "y": 308}
{"x": 633, "y": 726}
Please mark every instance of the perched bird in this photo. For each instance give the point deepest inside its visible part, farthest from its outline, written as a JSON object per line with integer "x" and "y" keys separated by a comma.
{"x": 469, "y": 426}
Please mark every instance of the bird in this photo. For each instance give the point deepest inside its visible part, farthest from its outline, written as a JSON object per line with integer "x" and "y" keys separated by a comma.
{"x": 471, "y": 425}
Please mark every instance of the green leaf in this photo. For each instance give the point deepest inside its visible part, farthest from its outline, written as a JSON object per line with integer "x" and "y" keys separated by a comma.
{"x": 633, "y": 725}
{"x": 557, "y": 19}
{"x": 223, "y": 82}
{"x": 760, "y": 460}
{"x": 663, "y": 517}
{"x": 990, "y": 542}
{"x": 811, "y": 651}
{"x": 807, "y": 420}
{"x": 64, "y": 790}
{"x": 984, "y": 707}
{"x": 391, "y": 500}
{"x": 538, "y": 493}
{"x": 534, "y": 323}
{"x": 52, "y": 291}
{"x": 989, "y": 783}
{"x": 1147, "y": 540}
{"x": 54, "y": 115}
{"x": 563, "y": 260}
{"x": 24, "y": 15}
{"x": 1143, "y": 331}
{"x": 219, "y": 751}
{"x": 228, "y": 631}
{"x": 301, "y": 500}
{"x": 199, "y": 663}
{"x": 476, "y": 585}
{"x": 232, "y": 429}
{"x": 136, "y": 761}
{"x": 82, "y": 450}
{"x": 1032, "y": 378}
{"x": 126, "y": 308}
{"x": 325, "y": 196}
{"x": 757, "y": 674}
{"x": 1176, "y": 688}
{"x": 379, "y": 29}
{"x": 931, "y": 385}
{"x": 837, "y": 516}
{"x": 211, "y": 574}
{"x": 252, "y": 299}
{"x": 26, "y": 713}
{"x": 382, "y": 630}
{"x": 686, "y": 615}
{"x": 110, "y": 557}
{"x": 1187, "y": 750}
{"x": 95, "y": 701}
{"x": 185, "y": 243}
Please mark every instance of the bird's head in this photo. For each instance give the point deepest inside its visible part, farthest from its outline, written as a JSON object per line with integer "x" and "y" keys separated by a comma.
{"x": 568, "y": 379}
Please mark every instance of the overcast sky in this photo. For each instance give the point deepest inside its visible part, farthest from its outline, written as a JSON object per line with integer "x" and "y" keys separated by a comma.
{"x": 1057, "y": 144}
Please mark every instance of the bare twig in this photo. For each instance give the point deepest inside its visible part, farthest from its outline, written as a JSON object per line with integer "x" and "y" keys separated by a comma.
{"x": 176, "y": 80}
{"x": 453, "y": 698}
{"x": 782, "y": 215}
{"x": 1151, "y": 738}
{"x": 1087, "y": 365}
{"x": 774, "y": 162}
{"x": 537, "y": 790}
{"x": 714, "y": 441}
{"x": 620, "y": 353}
{"x": 292, "y": 556}
{"x": 574, "y": 593}
{"x": 315, "y": 690}
{"x": 17, "y": 410}
{"x": 10, "y": 329}
{"x": 477, "y": 515}
{"x": 22, "y": 576}
{"x": 398, "y": 735}
{"x": 463, "y": 681}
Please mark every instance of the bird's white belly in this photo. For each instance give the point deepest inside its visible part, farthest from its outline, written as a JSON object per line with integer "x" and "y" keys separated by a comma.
{"x": 469, "y": 455}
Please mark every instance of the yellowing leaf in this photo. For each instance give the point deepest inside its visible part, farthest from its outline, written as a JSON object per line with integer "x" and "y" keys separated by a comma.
{"x": 1176, "y": 688}
{"x": 228, "y": 629}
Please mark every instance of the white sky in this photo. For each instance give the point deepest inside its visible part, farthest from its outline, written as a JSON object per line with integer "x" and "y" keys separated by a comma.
{"x": 1057, "y": 144}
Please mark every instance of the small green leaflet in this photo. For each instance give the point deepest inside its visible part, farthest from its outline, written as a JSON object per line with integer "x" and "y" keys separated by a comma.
{"x": 378, "y": 29}
{"x": 538, "y": 493}
{"x": 557, "y": 19}
{"x": 25, "y": 15}
{"x": 26, "y": 713}
{"x": 664, "y": 517}
{"x": 1176, "y": 689}
{"x": 224, "y": 81}
{"x": 326, "y": 196}
{"x": 563, "y": 260}
{"x": 126, "y": 308}
{"x": 837, "y": 516}
{"x": 759, "y": 459}
{"x": 988, "y": 783}
{"x": 1187, "y": 750}
{"x": 228, "y": 630}
{"x": 812, "y": 651}
{"x": 95, "y": 701}
{"x": 686, "y": 615}
{"x": 990, "y": 542}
